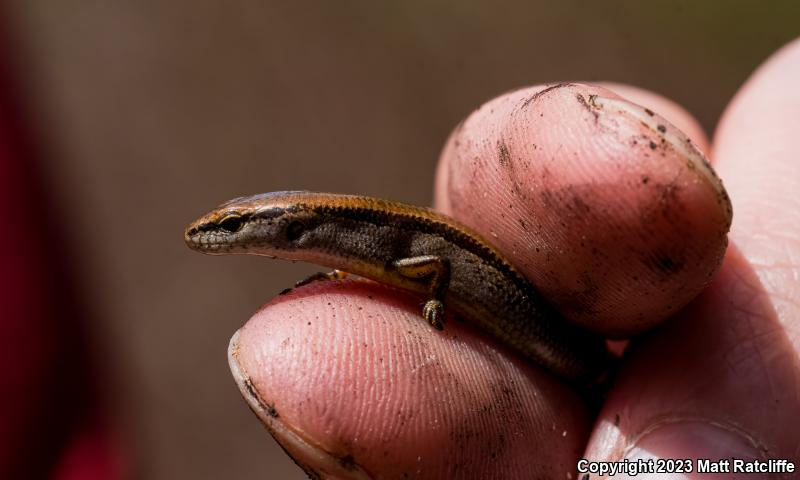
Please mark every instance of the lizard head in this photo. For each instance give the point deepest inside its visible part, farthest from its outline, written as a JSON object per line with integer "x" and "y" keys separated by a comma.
{"x": 267, "y": 224}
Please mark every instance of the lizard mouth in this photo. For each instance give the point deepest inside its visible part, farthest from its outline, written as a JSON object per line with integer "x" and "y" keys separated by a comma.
{"x": 203, "y": 241}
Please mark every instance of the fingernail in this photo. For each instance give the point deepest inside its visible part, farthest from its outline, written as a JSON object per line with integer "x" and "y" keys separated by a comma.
{"x": 663, "y": 135}
{"x": 694, "y": 445}
{"x": 315, "y": 461}
{"x": 660, "y": 130}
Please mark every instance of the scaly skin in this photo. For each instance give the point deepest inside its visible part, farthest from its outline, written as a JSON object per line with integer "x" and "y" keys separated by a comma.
{"x": 410, "y": 248}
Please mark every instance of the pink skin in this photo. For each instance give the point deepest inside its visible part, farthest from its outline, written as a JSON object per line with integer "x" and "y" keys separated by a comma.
{"x": 354, "y": 384}
{"x": 604, "y": 205}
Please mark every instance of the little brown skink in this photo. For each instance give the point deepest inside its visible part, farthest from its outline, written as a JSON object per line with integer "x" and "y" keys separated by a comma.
{"x": 411, "y": 248}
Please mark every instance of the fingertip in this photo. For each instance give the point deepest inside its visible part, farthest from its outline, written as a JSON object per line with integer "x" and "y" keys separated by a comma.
{"x": 756, "y": 150}
{"x": 349, "y": 372}
{"x": 611, "y": 211}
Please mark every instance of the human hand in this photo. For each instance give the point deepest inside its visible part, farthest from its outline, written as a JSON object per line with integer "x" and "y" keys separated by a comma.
{"x": 353, "y": 383}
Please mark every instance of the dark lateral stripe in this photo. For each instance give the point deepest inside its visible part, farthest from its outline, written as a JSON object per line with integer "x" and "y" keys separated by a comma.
{"x": 423, "y": 224}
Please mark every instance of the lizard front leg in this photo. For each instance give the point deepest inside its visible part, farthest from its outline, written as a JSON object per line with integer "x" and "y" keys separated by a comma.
{"x": 317, "y": 277}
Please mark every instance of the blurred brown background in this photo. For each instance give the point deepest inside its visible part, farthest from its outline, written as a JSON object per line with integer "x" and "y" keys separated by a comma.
{"x": 152, "y": 112}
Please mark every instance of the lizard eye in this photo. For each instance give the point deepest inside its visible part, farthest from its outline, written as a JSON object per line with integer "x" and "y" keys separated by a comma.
{"x": 231, "y": 223}
{"x": 294, "y": 230}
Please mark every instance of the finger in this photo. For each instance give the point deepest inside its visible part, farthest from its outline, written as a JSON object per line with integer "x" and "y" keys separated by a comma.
{"x": 352, "y": 383}
{"x": 756, "y": 149}
{"x": 721, "y": 380}
{"x": 605, "y": 206}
